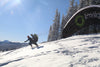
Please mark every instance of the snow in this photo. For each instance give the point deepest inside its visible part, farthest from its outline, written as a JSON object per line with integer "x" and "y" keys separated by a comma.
{"x": 75, "y": 51}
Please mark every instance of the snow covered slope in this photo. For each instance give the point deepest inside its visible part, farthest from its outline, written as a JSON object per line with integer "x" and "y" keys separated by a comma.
{"x": 76, "y": 51}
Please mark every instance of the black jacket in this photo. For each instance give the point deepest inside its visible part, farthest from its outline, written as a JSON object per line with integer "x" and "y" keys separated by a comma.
{"x": 30, "y": 40}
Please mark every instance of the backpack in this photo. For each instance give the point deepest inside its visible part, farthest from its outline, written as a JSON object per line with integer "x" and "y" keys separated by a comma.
{"x": 35, "y": 37}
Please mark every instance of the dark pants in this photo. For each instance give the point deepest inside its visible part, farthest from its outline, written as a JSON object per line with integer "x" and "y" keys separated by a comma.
{"x": 33, "y": 43}
{"x": 30, "y": 44}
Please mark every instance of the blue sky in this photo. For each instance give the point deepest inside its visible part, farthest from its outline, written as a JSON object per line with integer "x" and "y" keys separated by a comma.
{"x": 19, "y": 18}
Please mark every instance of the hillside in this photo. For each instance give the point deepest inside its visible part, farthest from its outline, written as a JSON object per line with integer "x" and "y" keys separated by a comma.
{"x": 75, "y": 51}
{"x": 8, "y": 45}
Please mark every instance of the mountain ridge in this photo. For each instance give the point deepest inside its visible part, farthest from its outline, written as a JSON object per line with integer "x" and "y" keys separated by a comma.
{"x": 7, "y": 45}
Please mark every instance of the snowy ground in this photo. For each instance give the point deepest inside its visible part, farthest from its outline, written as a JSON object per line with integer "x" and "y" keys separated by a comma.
{"x": 76, "y": 51}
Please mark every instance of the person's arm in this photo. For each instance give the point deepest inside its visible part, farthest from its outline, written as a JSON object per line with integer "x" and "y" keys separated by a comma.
{"x": 26, "y": 40}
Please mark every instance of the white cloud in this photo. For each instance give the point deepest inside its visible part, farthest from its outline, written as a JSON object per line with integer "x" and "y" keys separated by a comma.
{"x": 15, "y": 3}
{"x": 9, "y": 3}
{"x": 9, "y": 6}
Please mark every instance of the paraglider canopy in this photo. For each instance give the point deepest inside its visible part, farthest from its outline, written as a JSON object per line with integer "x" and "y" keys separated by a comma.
{"x": 84, "y": 21}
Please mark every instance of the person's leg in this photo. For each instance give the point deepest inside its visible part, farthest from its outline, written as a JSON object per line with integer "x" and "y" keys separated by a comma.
{"x": 30, "y": 45}
{"x": 36, "y": 45}
{"x": 34, "y": 42}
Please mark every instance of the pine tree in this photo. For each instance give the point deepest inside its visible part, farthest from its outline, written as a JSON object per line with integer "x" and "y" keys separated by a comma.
{"x": 56, "y": 25}
{"x": 71, "y": 3}
{"x": 62, "y": 26}
{"x": 54, "y": 30}
{"x": 50, "y": 34}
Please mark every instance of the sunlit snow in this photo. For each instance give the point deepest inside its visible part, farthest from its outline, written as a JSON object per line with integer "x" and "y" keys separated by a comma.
{"x": 75, "y": 51}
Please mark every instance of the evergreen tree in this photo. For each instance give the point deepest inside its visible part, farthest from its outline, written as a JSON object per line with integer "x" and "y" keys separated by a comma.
{"x": 62, "y": 26}
{"x": 54, "y": 32}
{"x": 50, "y": 34}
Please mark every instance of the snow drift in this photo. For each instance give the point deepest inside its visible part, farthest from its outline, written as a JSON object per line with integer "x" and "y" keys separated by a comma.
{"x": 75, "y": 51}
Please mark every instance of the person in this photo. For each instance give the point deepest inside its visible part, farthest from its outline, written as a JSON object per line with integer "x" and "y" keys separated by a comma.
{"x": 35, "y": 39}
{"x": 31, "y": 41}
